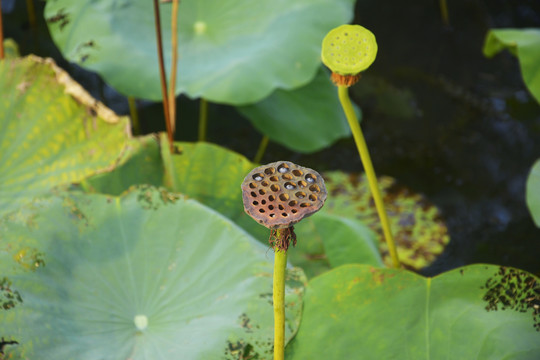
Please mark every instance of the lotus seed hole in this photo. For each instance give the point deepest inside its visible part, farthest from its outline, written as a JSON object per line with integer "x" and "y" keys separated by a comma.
{"x": 284, "y": 214}
{"x": 254, "y": 194}
{"x": 305, "y": 204}
{"x": 302, "y": 183}
{"x": 261, "y": 211}
{"x": 310, "y": 178}
{"x": 274, "y": 178}
{"x": 271, "y": 198}
{"x": 272, "y": 215}
{"x": 312, "y": 197}
{"x": 314, "y": 188}
{"x": 283, "y": 168}
{"x": 255, "y": 203}
{"x": 294, "y": 211}
{"x": 269, "y": 171}
{"x": 252, "y": 185}
{"x": 290, "y": 185}
{"x": 293, "y": 203}
{"x": 141, "y": 322}
{"x": 300, "y": 194}
{"x": 270, "y": 207}
{"x": 287, "y": 177}
{"x": 283, "y": 197}
{"x": 281, "y": 207}
{"x": 264, "y": 183}
{"x": 262, "y": 192}
{"x": 274, "y": 187}
{"x": 297, "y": 172}
{"x": 263, "y": 202}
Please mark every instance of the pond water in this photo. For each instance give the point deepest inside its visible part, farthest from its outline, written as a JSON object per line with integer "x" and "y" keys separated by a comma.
{"x": 438, "y": 116}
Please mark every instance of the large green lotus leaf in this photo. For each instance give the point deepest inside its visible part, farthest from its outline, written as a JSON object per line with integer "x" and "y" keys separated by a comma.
{"x": 419, "y": 232}
{"x": 51, "y": 131}
{"x": 349, "y": 240}
{"x": 212, "y": 175}
{"x": 143, "y": 165}
{"x": 476, "y": 312}
{"x": 533, "y": 192}
{"x": 326, "y": 241}
{"x": 230, "y": 51}
{"x": 306, "y": 119}
{"x": 149, "y": 275}
{"x": 523, "y": 43}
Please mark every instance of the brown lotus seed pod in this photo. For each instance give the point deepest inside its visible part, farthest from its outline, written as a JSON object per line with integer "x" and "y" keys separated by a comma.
{"x": 280, "y": 194}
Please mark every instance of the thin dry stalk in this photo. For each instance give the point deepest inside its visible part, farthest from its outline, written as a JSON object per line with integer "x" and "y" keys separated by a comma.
{"x": 174, "y": 45}
{"x": 162, "y": 75}
{"x": 1, "y": 34}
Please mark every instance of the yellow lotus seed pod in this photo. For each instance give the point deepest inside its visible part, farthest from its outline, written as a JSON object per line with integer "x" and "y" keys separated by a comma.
{"x": 349, "y": 49}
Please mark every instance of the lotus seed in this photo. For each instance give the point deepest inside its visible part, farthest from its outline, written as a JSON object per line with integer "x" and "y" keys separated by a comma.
{"x": 310, "y": 180}
{"x": 258, "y": 178}
{"x": 289, "y": 187}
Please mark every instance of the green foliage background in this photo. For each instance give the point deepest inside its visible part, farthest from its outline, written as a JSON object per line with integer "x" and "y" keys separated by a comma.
{"x": 99, "y": 228}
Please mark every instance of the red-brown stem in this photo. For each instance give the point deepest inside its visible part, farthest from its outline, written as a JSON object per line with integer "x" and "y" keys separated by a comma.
{"x": 162, "y": 75}
{"x": 174, "y": 45}
{"x": 1, "y": 34}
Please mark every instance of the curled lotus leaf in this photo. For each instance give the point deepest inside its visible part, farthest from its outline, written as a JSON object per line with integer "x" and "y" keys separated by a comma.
{"x": 525, "y": 45}
{"x": 52, "y": 131}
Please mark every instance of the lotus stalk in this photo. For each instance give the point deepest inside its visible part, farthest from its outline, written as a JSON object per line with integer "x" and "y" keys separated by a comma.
{"x": 277, "y": 196}
{"x": 347, "y": 51}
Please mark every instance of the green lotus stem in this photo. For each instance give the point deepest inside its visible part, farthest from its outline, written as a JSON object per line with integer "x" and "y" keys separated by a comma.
{"x": 134, "y": 115}
{"x": 444, "y": 12}
{"x": 30, "y": 8}
{"x": 370, "y": 172}
{"x": 1, "y": 34}
{"x": 203, "y": 119}
{"x": 174, "y": 64}
{"x": 261, "y": 150}
{"x": 162, "y": 76}
{"x": 280, "y": 263}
